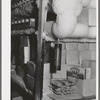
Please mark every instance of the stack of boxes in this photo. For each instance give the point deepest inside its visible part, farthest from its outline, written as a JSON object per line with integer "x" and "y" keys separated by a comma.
{"x": 82, "y": 56}
{"x": 91, "y": 65}
{"x": 86, "y": 83}
{"x": 87, "y": 87}
{"x": 69, "y": 53}
{"x": 74, "y": 53}
{"x": 88, "y": 17}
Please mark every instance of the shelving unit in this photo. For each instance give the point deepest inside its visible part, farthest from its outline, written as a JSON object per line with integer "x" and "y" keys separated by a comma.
{"x": 23, "y": 38}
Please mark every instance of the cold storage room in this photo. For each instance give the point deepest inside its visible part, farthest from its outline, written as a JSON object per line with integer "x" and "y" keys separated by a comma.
{"x": 53, "y": 49}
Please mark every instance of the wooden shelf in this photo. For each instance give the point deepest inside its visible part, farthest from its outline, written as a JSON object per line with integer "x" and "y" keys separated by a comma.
{"x": 75, "y": 41}
{"x": 24, "y": 32}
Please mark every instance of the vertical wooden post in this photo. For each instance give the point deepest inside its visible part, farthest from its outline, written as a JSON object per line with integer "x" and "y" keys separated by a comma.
{"x": 39, "y": 68}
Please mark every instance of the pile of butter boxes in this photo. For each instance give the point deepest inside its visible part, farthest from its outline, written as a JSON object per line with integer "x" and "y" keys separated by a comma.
{"x": 86, "y": 80}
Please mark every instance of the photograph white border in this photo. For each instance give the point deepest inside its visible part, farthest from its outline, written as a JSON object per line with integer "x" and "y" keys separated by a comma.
{"x": 5, "y": 49}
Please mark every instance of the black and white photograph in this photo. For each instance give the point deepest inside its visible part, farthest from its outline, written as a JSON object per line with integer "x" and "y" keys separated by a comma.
{"x": 52, "y": 52}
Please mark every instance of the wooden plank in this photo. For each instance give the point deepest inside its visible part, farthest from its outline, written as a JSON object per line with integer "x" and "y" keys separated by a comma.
{"x": 39, "y": 68}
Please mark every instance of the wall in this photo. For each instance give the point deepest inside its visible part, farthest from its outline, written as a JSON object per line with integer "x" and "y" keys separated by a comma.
{"x": 74, "y": 53}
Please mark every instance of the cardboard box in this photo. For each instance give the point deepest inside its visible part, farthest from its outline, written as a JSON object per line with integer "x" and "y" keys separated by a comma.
{"x": 83, "y": 17}
{"x": 88, "y": 16}
{"x": 88, "y": 73}
{"x": 84, "y": 55}
{"x": 63, "y": 57}
{"x": 62, "y": 74}
{"x": 86, "y": 87}
{"x": 83, "y": 46}
{"x": 93, "y": 55}
{"x": 72, "y": 57}
{"x": 90, "y": 64}
{"x": 87, "y": 63}
{"x": 71, "y": 46}
{"x": 92, "y": 47}
{"x": 83, "y": 73}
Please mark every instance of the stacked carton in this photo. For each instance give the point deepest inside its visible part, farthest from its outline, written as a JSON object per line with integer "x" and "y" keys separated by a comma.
{"x": 85, "y": 79}
{"x": 87, "y": 87}
{"x": 82, "y": 74}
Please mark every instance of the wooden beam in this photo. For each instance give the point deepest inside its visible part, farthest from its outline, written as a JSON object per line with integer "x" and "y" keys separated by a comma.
{"x": 39, "y": 68}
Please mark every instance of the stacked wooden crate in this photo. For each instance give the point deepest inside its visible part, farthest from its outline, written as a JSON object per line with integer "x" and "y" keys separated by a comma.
{"x": 74, "y": 53}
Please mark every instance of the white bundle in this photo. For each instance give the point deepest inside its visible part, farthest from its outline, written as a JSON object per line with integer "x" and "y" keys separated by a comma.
{"x": 62, "y": 6}
{"x": 85, "y": 3}
{"x": 92, "y": 32}
{"x": 67, "y": 12}
{"x": 80, "y": 31}
{"x": 64, "y": 26}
